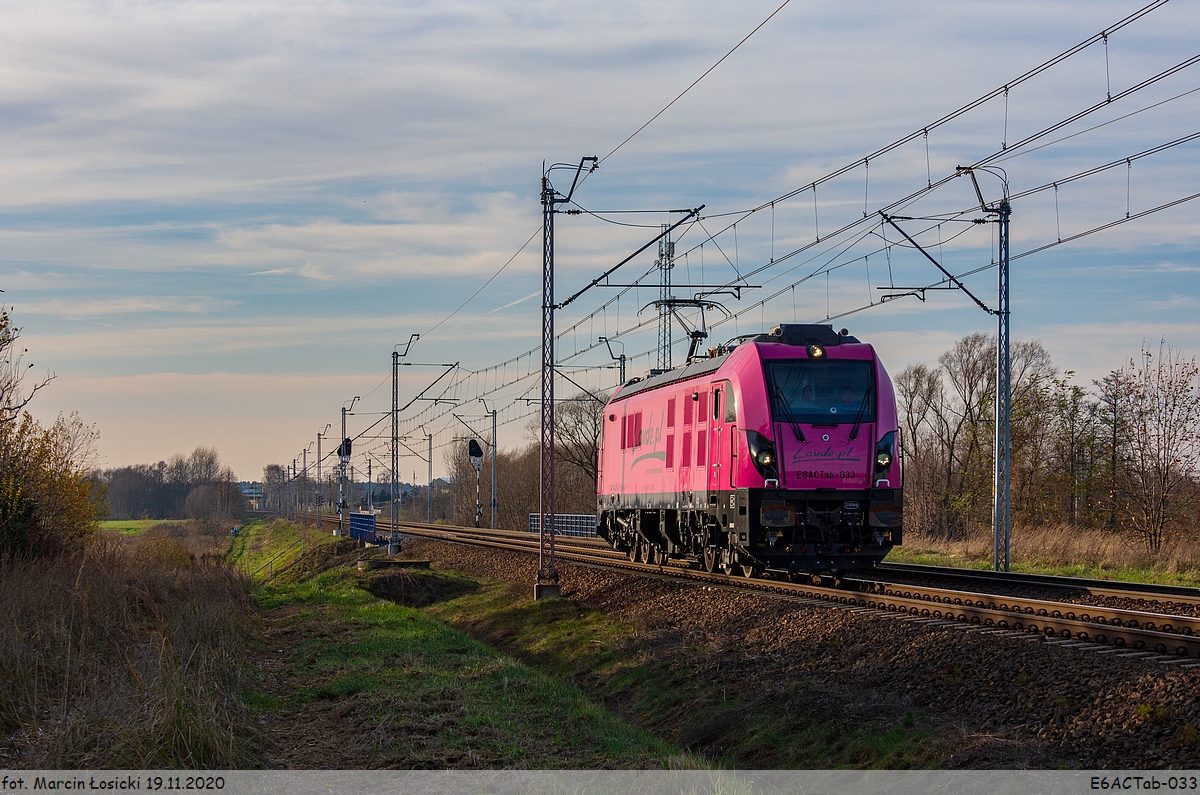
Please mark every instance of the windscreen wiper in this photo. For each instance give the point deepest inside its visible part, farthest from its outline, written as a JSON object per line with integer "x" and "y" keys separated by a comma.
{"x": 795, "y": 426}
{"x": 858, "y": 417}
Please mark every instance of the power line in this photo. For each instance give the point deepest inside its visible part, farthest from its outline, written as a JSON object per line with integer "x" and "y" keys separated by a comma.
{"x": 484, "y": 285}
{"x": 698, "y": 79}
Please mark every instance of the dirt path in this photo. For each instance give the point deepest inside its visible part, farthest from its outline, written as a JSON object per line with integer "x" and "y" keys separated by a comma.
{"x": 325, "y": 733}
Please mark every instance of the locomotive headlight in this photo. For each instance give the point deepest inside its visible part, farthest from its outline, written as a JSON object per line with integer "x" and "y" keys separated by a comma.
{"x": 762, "y": 453}
{"x": 816, "y": 351}
{"x": 885, "y": 452}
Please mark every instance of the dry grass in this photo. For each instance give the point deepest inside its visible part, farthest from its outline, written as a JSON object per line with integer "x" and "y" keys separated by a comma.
{"x": 128, "y": 655}
{"x": 1072, "y": 549}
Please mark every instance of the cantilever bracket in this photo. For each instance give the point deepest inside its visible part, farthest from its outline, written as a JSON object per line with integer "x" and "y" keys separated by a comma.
{"x": 953, "y": 279}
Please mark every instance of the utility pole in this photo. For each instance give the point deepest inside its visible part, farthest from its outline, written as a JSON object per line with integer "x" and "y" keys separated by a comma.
{"x": 304, "y": 479}
{"x": 320, "y": 481}
{"x": 343, "y": 461}
{"x": 429, "y": 513}
{"x": 395, "y": 512}
{"x": 665, "y": 262}
{"x": 1002, "y": 483}
{"x": 546, "y": 584}
{"x": 1002, "y": 477}
{"x": 494, "y": 503}
{"x": 369, "y": 485}
{"x": 620, "y": 360}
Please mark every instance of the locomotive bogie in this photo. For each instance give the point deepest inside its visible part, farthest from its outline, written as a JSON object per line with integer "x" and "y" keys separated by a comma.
{"x": 780, "y": 453}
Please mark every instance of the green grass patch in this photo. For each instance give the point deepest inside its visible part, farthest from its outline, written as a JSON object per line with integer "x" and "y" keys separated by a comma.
{"x": 263, "y": 549}
{"x": 136, "y": 526}
{"x": 424, "y": 694}
{"x": 733, "y": 720}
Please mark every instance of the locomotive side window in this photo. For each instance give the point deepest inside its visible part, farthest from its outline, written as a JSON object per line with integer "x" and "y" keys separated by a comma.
{"x": 671, "y": 413}
{"x": 702, "y": 407}
{"x": 730, "y": 403}
{"x": 631, "y": 431}
{"x": 824, "y": 392}
{"x": 687, "y": 412}
{"x": 687, "y": 448}
{"x": 670, "y": 451}
{"x": 717, "y": 403}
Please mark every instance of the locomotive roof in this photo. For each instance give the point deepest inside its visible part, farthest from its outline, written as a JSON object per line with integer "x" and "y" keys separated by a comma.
{"x": 693, "y": 370}
{"x": 797, "y": 334}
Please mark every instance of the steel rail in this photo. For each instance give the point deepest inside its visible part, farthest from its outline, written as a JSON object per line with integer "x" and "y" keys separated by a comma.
{"x": 1125, "y": 630}
{"x": 1043, "y": 608}
{"x": 1147, "y": 592}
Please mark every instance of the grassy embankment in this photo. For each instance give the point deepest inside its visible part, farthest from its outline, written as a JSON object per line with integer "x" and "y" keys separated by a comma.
{"x": 1067, "y": 551}
{"x": 358, "y": 656}
{"x": 141, "y": 653}
{"x": 672, "y": 689}
{"x": 378, "y": 648}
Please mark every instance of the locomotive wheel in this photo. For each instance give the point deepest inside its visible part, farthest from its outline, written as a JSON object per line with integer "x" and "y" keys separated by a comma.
{"x": 632, "y": 554}
{"x": 749, "y": 570}
{"x": 653, "y": 555}
{"x": 711, "y": 557}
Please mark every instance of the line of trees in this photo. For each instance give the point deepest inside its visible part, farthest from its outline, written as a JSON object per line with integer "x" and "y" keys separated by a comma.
{"x": 48, "y": 501}
{"x": 195, "y": 486}
{"x": 578, "y": 422}
{"x": 1121, "y": 455}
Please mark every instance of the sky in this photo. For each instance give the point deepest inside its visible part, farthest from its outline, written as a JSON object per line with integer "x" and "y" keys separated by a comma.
{"x": 221, "y": 218}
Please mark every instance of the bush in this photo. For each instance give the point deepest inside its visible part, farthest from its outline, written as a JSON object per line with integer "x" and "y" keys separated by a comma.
{"x": 124, "y": 656}
{"x": 48, "y": 501}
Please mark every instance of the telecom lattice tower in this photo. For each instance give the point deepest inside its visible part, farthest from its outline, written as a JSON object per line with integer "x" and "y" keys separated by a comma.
{"x": 665, "y": 263}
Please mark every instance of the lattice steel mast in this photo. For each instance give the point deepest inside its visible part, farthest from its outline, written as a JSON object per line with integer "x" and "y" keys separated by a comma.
{"x": 1002, "y": 483}
{"x": 547, "y": 574}
{"x": 665, "y": 263}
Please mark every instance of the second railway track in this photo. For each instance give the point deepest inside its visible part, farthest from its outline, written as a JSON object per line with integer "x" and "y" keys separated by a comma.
{"x": 1174, "y": 638}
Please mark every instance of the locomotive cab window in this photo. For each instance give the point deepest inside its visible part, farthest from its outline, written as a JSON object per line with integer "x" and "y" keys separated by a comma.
{"x": 822, "y": 392}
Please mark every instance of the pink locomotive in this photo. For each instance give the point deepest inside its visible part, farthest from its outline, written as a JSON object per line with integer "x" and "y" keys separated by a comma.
{"x": 778, "y": 452}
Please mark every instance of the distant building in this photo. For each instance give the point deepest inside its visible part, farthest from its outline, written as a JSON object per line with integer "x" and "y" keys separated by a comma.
{"x": 254, "y": 493}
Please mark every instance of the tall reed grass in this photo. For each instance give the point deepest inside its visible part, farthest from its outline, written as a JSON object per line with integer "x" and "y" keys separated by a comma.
{"x": 127, "y": 655}
{"x": 1068, "y": 546}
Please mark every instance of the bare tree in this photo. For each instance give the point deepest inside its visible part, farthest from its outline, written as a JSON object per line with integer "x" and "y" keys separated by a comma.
{"x": 1115, "y": 407}
{"x": 921, "y": 394}
{"x": 1163, "y": 439}
{"x": 274, "y": 479}
{"x": 579, "y": 422}
{"x": 14, "y": 395}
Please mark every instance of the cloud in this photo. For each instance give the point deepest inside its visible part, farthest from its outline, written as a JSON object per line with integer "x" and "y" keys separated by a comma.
{"x": 132, "y": 305}
{"x": 534, "y": 294}
{"x": 384, "y": 160}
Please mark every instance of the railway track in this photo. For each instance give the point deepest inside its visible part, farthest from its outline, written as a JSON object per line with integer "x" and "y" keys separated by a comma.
{"x": 1152, "y": 634}
{"x": 1161, "y": 596}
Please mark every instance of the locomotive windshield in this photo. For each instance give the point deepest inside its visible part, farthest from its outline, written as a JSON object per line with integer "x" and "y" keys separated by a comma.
{"x": 821, "y": 392}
